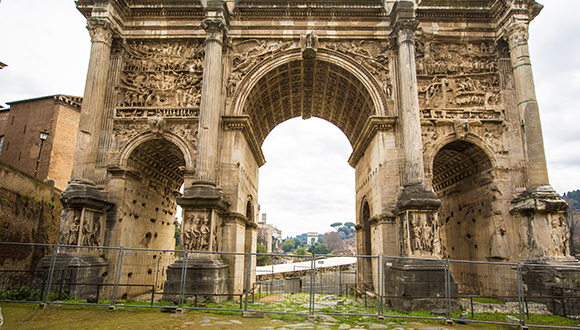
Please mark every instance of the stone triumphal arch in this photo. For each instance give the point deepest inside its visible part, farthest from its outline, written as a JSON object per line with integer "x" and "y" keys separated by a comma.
{"x": 436, "y": 98}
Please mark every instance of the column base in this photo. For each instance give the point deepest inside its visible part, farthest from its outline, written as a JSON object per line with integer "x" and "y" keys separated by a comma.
{"x": 417, "y": 197}
{"x": 552, "y": 278}
{"x": 539, "y": 199}
{"x": 206, "y": 280}
{"x": 81, "y": 193}
{"x": 418, "y": 285}
{"x": 203, "y": 194}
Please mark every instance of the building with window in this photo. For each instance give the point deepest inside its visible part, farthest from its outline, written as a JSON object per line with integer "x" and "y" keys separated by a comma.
{"x": 38, "y": 136}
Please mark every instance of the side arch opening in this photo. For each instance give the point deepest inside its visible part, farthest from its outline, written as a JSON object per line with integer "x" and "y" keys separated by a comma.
{"x": 463, "y": 178}
{"x": 146, "y": 216}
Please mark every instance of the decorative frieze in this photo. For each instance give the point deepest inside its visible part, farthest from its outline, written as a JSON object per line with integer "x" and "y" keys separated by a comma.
{"x": 143, "y": 112}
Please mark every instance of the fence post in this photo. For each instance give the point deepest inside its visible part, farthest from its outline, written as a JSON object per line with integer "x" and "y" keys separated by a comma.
{"x": 312, "y": 279}
{"x": 248, "y": 272}
{"x": 521, "y": 294}
{"x": 381, "y": 283}
{"x": 50, "y": 271}
{"x": 117, "y": 276}
{"x": 183, "y": 275}
{"x": 447, "y": 291}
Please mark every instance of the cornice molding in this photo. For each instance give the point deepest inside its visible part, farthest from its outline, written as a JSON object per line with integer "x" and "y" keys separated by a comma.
{"x": 244, "y": 123}
{"x": 373, "y": 125}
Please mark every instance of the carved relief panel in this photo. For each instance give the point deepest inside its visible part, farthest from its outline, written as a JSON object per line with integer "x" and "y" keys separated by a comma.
{"x": 200, "y": 233}
{"x": 161, "y": 74}
{"x": 372, "y": 55}
{"x": 82, "y": 227}
{"x": 459, "y": 81}
{"x": 375, "y": 56}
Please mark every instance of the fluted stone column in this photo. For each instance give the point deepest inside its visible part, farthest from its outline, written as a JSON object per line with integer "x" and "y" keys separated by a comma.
{"x": 93, "y": 100}
{"x": 415, "y": 193}
{"x": 206, "y": 274}
{"x": 517, "y": 34}
{"x": 211, "y": 100}
{"x": 412, "y": 145}
{"x": 81, "y": 198}
{"x": 416, "y": 203}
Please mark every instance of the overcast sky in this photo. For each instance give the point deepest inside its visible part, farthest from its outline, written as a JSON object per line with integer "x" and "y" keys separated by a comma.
{"x": 306, "y": 183}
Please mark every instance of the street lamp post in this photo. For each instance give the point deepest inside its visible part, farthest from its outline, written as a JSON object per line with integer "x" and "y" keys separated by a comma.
{"x": 43, "y": 136}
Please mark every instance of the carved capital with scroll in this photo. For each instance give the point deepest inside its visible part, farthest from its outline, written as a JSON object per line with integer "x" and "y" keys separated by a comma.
{"x": 100, "y": 30}
{"x": 517, "y": 34}
{"x": 215, "y": 29}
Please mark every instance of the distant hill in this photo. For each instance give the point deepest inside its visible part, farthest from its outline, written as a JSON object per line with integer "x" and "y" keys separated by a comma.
{"x": 573, "y": 199}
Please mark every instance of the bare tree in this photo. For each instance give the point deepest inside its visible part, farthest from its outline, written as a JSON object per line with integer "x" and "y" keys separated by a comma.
{"x": 333, "y": 242}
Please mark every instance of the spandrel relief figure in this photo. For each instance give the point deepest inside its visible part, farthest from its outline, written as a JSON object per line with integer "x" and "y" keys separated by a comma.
{"x": 249, "y": 52}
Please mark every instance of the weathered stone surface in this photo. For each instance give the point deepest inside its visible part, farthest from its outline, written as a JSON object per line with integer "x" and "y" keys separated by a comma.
{"x": 432, "y": 101}
{"x": 205, "y": 278}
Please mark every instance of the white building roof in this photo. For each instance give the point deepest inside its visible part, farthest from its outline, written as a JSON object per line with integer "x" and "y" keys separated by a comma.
{"x": 305, "y": 265}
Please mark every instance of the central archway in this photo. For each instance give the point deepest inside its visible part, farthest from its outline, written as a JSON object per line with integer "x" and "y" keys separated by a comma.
{"x": 332, "y": 87}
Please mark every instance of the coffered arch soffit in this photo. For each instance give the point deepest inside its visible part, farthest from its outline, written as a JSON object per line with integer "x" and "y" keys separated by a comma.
{"x": 173, "y": 144}
{"x": 333, "y": 87}
{"x": 453, "y": 158}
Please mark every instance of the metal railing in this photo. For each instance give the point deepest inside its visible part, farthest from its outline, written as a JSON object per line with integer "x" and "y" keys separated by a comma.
{"x": 136, "y": 277}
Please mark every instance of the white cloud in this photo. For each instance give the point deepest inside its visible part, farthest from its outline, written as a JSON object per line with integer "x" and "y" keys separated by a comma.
{"x": 307, "y": 183}
{"x": 554, "y": 49}
{"x": 46, "y": 47}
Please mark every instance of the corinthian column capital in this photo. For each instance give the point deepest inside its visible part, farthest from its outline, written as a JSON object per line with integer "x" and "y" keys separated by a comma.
{"x": 517, "y": 34}
{"x": 406, "y": 32}
{"x": 215, "y": 29}
{"x": 100, "y": 30}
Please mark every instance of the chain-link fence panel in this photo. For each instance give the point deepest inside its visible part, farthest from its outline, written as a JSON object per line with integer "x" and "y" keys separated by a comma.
{"x": 487, "y": 287}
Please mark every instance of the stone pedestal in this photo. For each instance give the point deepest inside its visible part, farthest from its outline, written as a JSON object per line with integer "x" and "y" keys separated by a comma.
{"x": 540, "y": 278}
{"x": 420, "y": 284}
{"x": 206, "y": 279}
{"x": 82, "y": 275}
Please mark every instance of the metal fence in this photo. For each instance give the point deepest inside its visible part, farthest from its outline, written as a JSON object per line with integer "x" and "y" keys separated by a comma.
{"x": 380, "y": 286}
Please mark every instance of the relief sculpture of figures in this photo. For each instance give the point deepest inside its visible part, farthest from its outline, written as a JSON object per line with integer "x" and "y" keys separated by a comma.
{"x": 422, "y": 234}
{"x": 196, "y": 234}
{"x": 161, "y": 74}
{"x": 252, "y": 51}
{"x": 73, "y": 236}
{"x": 374, "y": 56}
